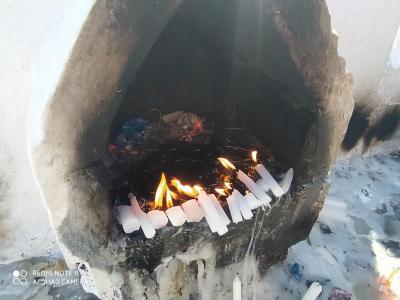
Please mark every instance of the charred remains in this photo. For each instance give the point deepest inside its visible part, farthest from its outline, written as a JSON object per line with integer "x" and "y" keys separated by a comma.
{"x": 202, "y": 154}
{"x": 192, "y": 161}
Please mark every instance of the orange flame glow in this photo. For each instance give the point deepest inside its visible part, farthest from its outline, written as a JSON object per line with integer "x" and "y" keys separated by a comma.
{"x": 164, "y": 192}
{"x": 174, "y": 195}
{"x": 226, "y": 163}
{"x": 198, "y": 188}
{"x": 161, "y": 189}
{"x": 186, "y": 189}
{"x": 191, "y": 191}
{"x": 254, "y": 156}
{"x": 228, "y": 185}
{"x": 221, "y": 192}
{"x": 168, "y": 199}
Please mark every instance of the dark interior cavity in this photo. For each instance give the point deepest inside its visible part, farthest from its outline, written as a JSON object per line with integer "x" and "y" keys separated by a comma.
{"x": 225, "y": 62}
{"x": 357, "y": 126}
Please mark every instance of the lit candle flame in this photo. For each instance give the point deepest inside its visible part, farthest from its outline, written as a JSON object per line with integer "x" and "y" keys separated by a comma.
{"x": 168, "y": 199}
{"x": 254, "y": 156}
{"x": 161, "y": 189}
{"x": 174, "y": 195}
{"x": 186, "y": 189}
{"x": 228, "y": 185}
{"x": 226, "y": 163}
{"x": 221, "y": 191}
{"x": 198, "y": 188}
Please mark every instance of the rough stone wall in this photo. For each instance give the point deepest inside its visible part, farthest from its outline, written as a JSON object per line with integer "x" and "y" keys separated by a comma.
{"x": 112, "y": 43}
{"x": 307, "y": 29}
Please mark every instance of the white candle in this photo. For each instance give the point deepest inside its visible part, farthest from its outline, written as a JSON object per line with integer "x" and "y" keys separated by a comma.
{"x": 252, "y": 201}
{"x": 212, "y": 222}
{"x": 234, "y": 208}
{"x": 287, "y": 180}
{"x": 313, "y": 291}
{"x": 275, "y": 187}
{"x": 220, "y": 210}
{"x": 144, "y": 220}
{"x": 243, "y": 206}
{"x": 176, "y": 215}
{"x": 237, "y": 288}
{"x": 158, "y": 218}
{"x": 193, "y": 211}
{"x": 253, "y": 187}
{"x": 211, "y": 214}
{"x": 127, "y": 218}
{"x": 263, "y": 184}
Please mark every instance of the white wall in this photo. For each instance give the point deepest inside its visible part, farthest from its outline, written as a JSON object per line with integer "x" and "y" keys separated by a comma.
{"x": 36, "y": 37}
{"x": 367, "y": 30}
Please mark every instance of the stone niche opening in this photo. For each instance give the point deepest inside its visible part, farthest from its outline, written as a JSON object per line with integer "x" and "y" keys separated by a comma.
{"x": 271, "y": 66}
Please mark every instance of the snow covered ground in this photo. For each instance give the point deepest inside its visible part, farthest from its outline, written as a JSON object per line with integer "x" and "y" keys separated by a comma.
{"x": 354, "y": 243}
{"x": 362, "y": 211}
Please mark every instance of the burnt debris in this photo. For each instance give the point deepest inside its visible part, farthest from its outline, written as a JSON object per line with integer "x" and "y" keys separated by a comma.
{"x": 183, "y": 145}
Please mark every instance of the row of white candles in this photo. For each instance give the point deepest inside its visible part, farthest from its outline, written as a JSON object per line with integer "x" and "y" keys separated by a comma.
{"x": 207, "y": 206}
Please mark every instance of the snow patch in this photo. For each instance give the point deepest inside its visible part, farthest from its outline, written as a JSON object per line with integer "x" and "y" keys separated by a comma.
{"x": 364, "y": 244}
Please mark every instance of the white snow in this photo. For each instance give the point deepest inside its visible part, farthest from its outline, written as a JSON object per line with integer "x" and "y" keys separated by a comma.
{"x": 354, "y": 256}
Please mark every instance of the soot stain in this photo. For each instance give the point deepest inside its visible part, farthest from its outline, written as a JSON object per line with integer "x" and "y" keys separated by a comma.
{"x": 358, "y": 125}
{"x": 385, "y": 127}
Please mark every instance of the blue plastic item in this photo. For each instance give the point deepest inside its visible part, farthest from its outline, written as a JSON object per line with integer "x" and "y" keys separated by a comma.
{"x": 295, "y": 271}
{"x": 132, "y": 132}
